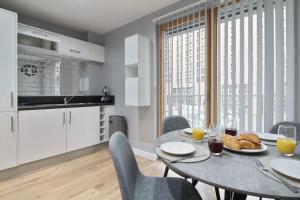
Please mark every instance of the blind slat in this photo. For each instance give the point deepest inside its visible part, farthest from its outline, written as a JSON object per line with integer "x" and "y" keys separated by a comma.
{"x": 241, "y": 88}
{"x": 269, "y": 65}
{"x": 279, "y": 83}
{"x": 233, "y": 96}
{"x": 226, "y": 62}
{"x": 290, "y": 57}
{"x": 250, "y": 64}
{"x": 259, "y": 102}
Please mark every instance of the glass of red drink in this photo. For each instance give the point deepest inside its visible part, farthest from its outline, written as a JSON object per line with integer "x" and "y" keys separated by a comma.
{"x": 231, "y": 126}
{"x": 215, "y": 145}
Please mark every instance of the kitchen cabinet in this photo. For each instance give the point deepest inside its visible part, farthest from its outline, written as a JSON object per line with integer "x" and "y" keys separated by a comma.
{"x": 8, "y": 140}
{"x": 8, "y": 61}
{"x": 137, "y": 71}
{"x": 73, "y": 47}
{"x": 42, "y": 133}
{"x": 96, "y": 53}
{"x": 83, "y": 128}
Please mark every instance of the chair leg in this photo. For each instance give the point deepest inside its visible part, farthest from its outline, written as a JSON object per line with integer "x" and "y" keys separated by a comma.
{"x": 217, "y": 193}
{"x": 166, "y": 171}
{"x": 194, "y": 182}
{"x": 260, "y": 198}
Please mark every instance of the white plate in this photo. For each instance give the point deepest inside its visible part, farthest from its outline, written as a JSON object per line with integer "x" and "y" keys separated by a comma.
{"x": 262, "y": 149}
{"x": 190, "y": 130}
{"x": 269, "y": 136}
{"x": 290, "y": 168}
{"x": 177, "y": 148}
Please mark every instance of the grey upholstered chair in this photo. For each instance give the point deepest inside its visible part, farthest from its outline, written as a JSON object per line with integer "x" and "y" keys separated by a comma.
{"x": 274, "y": 128}
{"x": 173, "y": 123}
{"x": 136, "y": 186}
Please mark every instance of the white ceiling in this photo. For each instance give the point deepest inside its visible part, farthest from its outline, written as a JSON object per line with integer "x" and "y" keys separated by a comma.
{"x": 99, "y": 16}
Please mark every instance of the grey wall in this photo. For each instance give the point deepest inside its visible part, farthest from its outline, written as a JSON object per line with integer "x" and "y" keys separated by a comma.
{"x": 141, "y": 121}
{"x": 93, "y": 70}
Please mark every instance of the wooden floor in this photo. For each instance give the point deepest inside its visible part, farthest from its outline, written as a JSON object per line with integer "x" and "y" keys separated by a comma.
{"x": 91, "y": 177}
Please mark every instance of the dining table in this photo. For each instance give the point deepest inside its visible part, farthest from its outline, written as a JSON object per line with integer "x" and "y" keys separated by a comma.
{"x": 232, "y": 171}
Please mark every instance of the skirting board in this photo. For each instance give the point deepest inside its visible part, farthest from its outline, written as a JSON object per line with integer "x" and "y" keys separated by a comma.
{"x": 144, "y": 154}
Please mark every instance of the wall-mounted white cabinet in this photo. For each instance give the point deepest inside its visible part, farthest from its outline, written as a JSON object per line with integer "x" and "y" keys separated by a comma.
{"x": 83, "y": 128}
{"x": 42, "y": 133}
{"x": 32, "y": 39}
{"x": 8, "y": 140}
{"x": 96, "y": 53}
{"x": 8, "y": 61}
{"x": 137, "y": 71}
{"x": 73, "y": 47}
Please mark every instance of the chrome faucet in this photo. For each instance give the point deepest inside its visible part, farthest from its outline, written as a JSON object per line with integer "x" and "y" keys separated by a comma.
{"x": 66, "y": 100}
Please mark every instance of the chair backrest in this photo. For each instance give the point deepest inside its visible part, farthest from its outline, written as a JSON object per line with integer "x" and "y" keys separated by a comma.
{"x": 125, "y": 164}
{"x": 173, "y": 123}
{"x": 274, "y": 128}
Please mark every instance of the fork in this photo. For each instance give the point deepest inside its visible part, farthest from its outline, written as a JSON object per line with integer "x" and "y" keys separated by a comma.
{"x": 262, "y": 167}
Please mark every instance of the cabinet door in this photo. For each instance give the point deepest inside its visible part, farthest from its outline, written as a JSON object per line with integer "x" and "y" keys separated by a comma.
{"x": 8, "y": 60}
{"x": 96, "y": 53}
{"x": 42, "y": 133}
{"x": 8, "y": 140}
{"x": 83, "y": 128}
{"x": 131, "y": 50}
{"x": 73, "y": 47}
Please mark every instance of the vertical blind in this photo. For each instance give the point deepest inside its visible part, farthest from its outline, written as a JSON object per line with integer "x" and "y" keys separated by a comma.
{"x": 252, "y": 56}
{"x": 256, "y": 62}
{"x": 185, "y": 63}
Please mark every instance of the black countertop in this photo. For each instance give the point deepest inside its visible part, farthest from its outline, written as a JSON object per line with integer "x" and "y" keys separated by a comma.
{"x": 52, "y": 102}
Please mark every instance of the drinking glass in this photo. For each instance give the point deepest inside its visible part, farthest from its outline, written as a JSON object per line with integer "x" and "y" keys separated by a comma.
{"x": 198, "y": 134}
{"x": 215, "y": 143}
{"x": 231, "y": 126}
{"x": 286, "y": 144}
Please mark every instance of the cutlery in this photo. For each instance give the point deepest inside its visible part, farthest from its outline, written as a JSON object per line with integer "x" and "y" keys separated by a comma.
{"x": 186, "y": 158}
{"x": 262, "y": 167}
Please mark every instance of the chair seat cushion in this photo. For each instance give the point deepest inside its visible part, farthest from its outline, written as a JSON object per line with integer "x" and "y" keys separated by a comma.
{"x": 161, "y": 188}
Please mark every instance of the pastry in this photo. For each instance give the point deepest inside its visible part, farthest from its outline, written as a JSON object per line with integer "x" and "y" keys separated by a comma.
{"x": 250, "y": 137}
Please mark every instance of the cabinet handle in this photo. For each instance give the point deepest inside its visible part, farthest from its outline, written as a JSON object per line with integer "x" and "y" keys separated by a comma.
{"x": 12, "y": 99}
{"x": 12, "y": 124}
{"x": 40, "y": 34}
{"x": 75, "y": 51}
{"x": 64, "y": 118}
{"x": 70, "y": 117}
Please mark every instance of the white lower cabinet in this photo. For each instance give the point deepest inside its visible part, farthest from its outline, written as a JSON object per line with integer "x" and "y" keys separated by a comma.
{"x": 8, "y": 140}
{"x": 42, "y": 133}
{"x": 83, "y": 128}
{"x": 46, "y": 133}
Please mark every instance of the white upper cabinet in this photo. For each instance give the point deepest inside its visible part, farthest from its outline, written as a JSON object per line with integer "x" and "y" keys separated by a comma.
{"x": 8, "y": 60}
{"x": 137, "y": 71}
{"x": 96, "y": 53}
{"x": 83, "y": 127}
{"x": 73, "y": 47}
{"x": 8, "y": 140}
{"x": 132, "y": 50}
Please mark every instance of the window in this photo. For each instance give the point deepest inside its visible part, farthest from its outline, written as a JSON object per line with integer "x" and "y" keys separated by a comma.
{"x": 248, "y": 82}
{"x": 234, "y": 59}
{"x": 184, "y": 76}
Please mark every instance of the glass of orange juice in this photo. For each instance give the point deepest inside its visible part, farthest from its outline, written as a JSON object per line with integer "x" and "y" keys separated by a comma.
{"x": 286, "y": 144}
{"x": 198, "y": 134}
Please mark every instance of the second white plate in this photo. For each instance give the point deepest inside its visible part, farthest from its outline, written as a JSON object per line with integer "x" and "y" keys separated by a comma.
{"x": 177, "y": 148}
{"x": 288, "y": 167}
{"x": 269, "y": 136}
